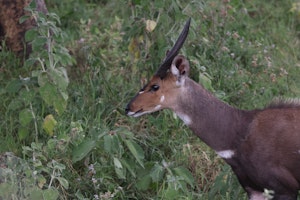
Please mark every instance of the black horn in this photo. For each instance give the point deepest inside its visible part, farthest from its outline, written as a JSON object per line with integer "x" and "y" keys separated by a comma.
{"x": 162, "y": 71}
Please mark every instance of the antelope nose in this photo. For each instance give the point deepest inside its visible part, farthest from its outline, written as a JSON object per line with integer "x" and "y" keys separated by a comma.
{"x": 127, "y": 109}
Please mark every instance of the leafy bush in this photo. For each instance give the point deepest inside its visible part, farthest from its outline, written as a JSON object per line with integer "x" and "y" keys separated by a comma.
{"x": 71, "y": 131}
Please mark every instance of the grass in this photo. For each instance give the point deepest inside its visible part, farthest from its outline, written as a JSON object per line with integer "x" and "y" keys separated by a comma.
{"x": 246, "y": 52}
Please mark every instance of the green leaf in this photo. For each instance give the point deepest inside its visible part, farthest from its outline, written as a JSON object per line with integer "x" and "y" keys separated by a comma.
{"x": 35, "y": 193}
{"x": 7, "y": 189}
{"x": 25, "y": 117}
{"x": 32, "y": 5}
{"x": 136, "y": 151}
{"x": 80, "y": 196}
{"x": 136, "y": 2}
{"x": 23, "y": 132}
{"x": 48, "y": 93}
{"x": 128, "y": 133}
{"x": 108, "y": 143}
{"x": 59, "y": 77}
{"x": 27, "y": 96}
{"x": 49, "y": 124}
{"x": 14, "y": 86}
{"x": 30, "y": 35}
{"x": 30, "y": 62}
{"x": 54, "y": 16}
{"x": 53, "y": 97}
{"x": 63, "y": 182}
{"x": 129, "y": 166}
{"x": 170, "y": 193}
{"x": 60, "y": 103}
{"x": 38, "y": 43}
{"x": 95, "y": 134}
{"x": 117, "y": 163}
{"x": 83, "y": 149}
{"x": 23, "y": 18}
{"x": 35, "y": 73}
{"x": 120, "y": 172}
{"x": 119, "y": 168}
{"x": 50, "y": 194}
{"x": 2, "y": 91}
{"x": 59, "y": 166}
{"x": 157, "y": 173}
{"x": 43, "y": 78}
{"x": 112, "y": 144}
{"x": 64, "y": 95}
{"x": 144, "y": 183}
{"x": 15, "y": 104}
{"x": 185, "y": 174}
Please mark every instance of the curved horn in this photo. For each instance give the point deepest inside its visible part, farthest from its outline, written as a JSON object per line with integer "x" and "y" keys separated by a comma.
{"x": 162, "y": 70}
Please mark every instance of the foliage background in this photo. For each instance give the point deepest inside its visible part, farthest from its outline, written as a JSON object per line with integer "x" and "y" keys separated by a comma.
{"x": 75, "y": 142}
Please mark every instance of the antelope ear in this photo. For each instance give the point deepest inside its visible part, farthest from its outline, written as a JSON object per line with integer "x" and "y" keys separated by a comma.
{"x": 180, "y": 67}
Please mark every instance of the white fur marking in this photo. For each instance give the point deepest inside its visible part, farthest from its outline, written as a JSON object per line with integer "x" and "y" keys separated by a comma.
{"x": 141, "y": 92}
{"x": 140, "y": 114}
{"x": 180, "y": 80}
{"x": 157, "y": 108}
{"x": 137, "y": 114}
{"x": 134, "y": 114}
{"x": 226, "y": 154}
{"x": 162, "y": 98}
{"x": 174, "y": 70}
{"x": 185, "y": 118}
{"x": 130, "y": 113}
{"x": 257, "y": 196}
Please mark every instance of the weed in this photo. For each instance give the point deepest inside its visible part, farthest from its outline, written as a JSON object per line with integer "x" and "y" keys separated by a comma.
{"x": 71, "y": 131}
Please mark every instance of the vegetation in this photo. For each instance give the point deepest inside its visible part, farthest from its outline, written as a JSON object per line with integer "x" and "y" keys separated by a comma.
{"x": 63, "y": 132}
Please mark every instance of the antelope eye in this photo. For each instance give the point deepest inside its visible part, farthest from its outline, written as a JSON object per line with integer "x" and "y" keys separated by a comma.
{"x": 154, "y": 88}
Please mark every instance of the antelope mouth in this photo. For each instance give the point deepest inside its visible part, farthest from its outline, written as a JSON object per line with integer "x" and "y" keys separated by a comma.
{"x": 136, "y": 114}
{"x": 141, "y": 111}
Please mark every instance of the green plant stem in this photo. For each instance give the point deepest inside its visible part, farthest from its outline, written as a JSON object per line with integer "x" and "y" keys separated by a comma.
{"x": 49, "y": 48}
{"x": 52, "y": 178}
{"x": 42, "y": 64}
{"x": 33, "y": 116}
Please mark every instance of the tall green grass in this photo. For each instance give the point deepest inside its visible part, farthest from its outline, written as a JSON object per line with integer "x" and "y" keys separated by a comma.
{"x": 246, "y": 52}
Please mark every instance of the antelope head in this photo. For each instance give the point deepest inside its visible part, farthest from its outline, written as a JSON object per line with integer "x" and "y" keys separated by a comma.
{"x": 164, "y": 87}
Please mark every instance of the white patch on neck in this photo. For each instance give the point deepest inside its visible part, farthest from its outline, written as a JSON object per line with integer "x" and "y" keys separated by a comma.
{"x": 162, "y": 98}
{"x": 226, "y": 154}
{"x": 141, "y": 92}
{"x": 185, "y": 118}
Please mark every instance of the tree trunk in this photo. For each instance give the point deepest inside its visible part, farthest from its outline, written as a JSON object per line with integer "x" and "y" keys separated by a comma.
{"x": 11, "y": 31}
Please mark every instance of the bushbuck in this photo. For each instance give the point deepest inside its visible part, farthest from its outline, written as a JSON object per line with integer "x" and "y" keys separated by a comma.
{"x": 262, "y": 146}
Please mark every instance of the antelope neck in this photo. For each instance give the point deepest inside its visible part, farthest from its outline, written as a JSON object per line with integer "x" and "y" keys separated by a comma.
{"x": 219, "y": 125}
